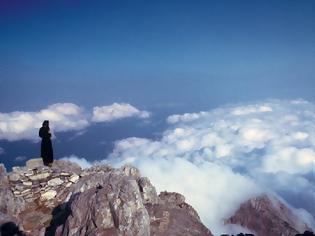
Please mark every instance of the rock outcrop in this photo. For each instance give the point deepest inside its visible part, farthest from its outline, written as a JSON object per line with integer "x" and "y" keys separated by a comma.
{"x": 267, "y": 215}
{"x": 65, "y": 200}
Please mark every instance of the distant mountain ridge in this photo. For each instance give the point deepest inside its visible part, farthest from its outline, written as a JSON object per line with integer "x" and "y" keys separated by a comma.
{"x": 65, "y": 201}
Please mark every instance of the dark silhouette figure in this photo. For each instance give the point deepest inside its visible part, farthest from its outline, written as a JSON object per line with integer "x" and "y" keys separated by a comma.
{"x": 46, "y": 146}
{"x": 10, "y": 229}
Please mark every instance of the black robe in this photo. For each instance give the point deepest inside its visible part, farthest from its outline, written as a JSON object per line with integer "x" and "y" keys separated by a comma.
{"x": 46, "y": 146}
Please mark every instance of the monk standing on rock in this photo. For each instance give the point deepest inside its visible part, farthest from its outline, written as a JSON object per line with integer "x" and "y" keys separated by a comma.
{"x": 46, "y": 146}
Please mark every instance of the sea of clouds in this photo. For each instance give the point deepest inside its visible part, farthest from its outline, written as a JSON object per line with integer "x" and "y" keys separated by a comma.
{"x": 217, "y": 159}
{"x": 220, "y": 158}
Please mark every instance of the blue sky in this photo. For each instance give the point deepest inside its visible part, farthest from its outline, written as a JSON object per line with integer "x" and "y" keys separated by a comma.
{"x": 198, "y": 53}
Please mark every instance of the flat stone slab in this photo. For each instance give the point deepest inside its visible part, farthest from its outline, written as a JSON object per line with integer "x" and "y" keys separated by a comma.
{"x": 39, "y": 176}
{"x": 74, "y": 178}
{"x": 55, "y": 182}
{"x": 50, "y": 194}
{"x": 27, "y": 183}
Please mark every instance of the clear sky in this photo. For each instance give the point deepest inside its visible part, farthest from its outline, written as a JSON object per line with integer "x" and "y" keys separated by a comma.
{"x": 154, "y": 53}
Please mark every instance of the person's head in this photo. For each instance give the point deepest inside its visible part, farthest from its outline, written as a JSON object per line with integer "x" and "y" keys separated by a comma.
{"x": 46, "y": 123}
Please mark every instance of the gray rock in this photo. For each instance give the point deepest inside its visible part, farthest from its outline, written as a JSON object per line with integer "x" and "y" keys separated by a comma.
{"x": 14, "y": 177}
{"x": 50, "y": 194}
{"x": 114, "y": 206}
{"x": 34, "y": 221}
{"x": 27, "y": 183}
{"x": 102, "y": 201}
{"x": 130, "y": 171}
{"x": 74, "y": 178}
{"x": 34, "y": 163}
{"x": 55, "y": 182}
{"x": 40, "y": 176}
{"x": 148, "y": 192}
{"x": 66, "y": 166}
{"x": 3, "y": 175}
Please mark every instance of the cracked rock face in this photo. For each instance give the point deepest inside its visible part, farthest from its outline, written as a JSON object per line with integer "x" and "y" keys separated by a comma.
{"x": 266, "y": 215}
{"x": 65, "y": 200}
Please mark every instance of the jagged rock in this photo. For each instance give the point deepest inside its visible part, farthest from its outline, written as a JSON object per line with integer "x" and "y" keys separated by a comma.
{"x": 102, "y": 201}
{"x": 177, "y": 200}
{"x": 148, "y": 192}
{"x": 172, "y": 216}
{"x": 9, "y": 204}
{"x": 96, "y": 169}
{"x": 3, "y": 175}
{"x": 266, "y": 215}
{"x": 130, "y": 171}
{"x": 66, "y": 166}
{"x": 114, "y": 207}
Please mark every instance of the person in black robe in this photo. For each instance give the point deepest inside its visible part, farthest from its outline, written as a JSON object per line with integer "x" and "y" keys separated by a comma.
{"x": 46, "y": 146}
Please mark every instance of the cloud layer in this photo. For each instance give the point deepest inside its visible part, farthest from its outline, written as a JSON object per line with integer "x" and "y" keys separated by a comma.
{"x": 82, "y": 162}
{"x": 24, "y": 125}
{"x": 63, "y": 117}
{"x": 117, "y": 111}
{"x": 221, "y": 158}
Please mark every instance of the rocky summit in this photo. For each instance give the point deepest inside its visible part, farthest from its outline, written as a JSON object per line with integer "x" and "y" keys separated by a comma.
{"x": 65, "y": 200}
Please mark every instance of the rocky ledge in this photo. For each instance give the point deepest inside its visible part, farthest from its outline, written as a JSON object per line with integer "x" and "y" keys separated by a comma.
{"x": 65, "y": 200}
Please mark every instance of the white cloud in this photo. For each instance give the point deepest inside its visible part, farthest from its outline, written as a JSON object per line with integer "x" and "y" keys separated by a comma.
{"x": 82, "y": 162}
{"x": 220, "y": 158}
{"x": 185, "y": 117}
{"x": 63, "y": 117}
{"x": 19, "y": 125}
{"x": 117, "y": 111}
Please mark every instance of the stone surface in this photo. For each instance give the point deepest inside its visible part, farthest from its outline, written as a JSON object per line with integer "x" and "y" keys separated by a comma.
{"x": 27, "y": 183}
{"x": 114, "y": 206}
{"x": 148, "y": 192}
{"x": 55, "y": 182}
{"x": 39, "y": 176}
{"x": 34, "y": 163}
{"x": 14, "y": 177}
{"x": 65, "y": 200}
{"x": 50, "y": 194}
{"x": 266, "y": 215}
{"x": 35, "y": 219}
{"x": 74, "y": 178}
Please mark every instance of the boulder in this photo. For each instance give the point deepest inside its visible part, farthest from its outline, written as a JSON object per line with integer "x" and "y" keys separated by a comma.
{"x": 113, "y": 207}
